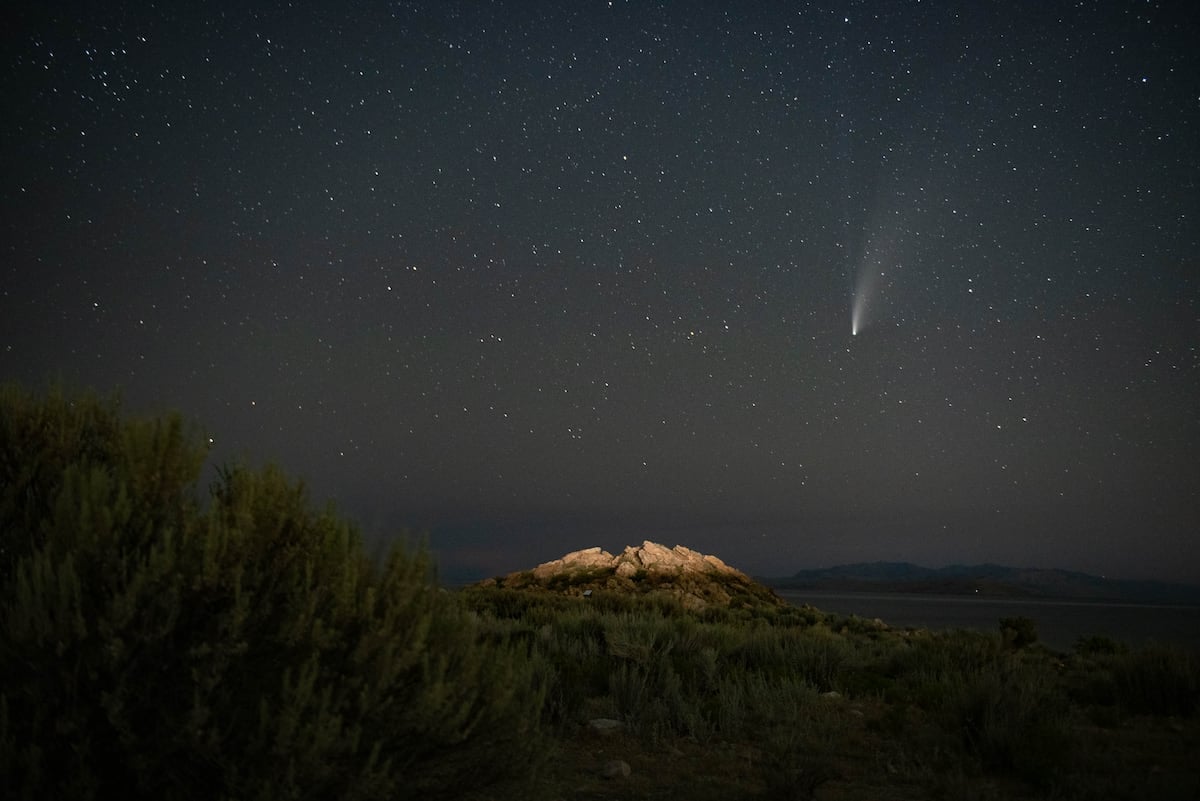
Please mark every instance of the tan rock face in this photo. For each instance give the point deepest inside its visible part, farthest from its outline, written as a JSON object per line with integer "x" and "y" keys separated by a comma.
{"x": 626, "y": 570}
{"x": 696, "y": 579}
{"x": 587, "y": 559}
{"x": 650, "y": 556}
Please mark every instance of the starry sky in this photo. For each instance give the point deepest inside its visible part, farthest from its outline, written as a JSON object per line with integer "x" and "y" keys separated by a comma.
{"x": 796, "y": 284}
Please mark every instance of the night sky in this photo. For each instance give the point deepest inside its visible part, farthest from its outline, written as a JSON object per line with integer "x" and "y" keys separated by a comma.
{"x": 796, "y": 284}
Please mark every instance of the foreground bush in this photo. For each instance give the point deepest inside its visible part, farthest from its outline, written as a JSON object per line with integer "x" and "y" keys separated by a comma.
{"x": 1158, "y": 680}
{"x": 154, "y": 645}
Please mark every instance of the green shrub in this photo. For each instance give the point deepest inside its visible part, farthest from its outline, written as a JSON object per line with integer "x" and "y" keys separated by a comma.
{"x": 934, "y": 658}
{"x": 1098, "y": 645}
{"x": 1093, "y": 686}
{"x": 1158, "y": 680}
{"x": 814, "y": 657}
{"x": 1018, "y": 632}
{"x": 1010, "y": 718}
{"x": 154, "y": 648}
{"x": 646, "y": 688}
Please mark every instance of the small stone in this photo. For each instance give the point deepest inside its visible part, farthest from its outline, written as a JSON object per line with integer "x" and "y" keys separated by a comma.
{"x": 615, "y": 769}
{"x": 605, "y": 726}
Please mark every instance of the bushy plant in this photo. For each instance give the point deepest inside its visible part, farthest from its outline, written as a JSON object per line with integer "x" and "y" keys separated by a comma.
{"x": 1098, "y": 645}
{"x": 41, "y": 438}
{"x": 657, "y": 675}
{"x": 1018, "y": 632}
{"x": 1011, "y": 719}
{"x": 152, "y": 646}
{"x": 1158, "y": 680}
{"x": 932, "y": 659}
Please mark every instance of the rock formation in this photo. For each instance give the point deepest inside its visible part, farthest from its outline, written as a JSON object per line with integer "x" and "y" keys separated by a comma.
{"x": 696, "y": 579}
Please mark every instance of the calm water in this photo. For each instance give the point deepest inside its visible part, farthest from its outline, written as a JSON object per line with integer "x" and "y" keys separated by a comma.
{"x": 1059, "y": 623}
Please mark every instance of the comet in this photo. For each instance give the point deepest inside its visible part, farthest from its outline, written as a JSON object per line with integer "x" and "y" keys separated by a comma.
{"x": 883, "y": 249}
{"x": 865, "y": 288}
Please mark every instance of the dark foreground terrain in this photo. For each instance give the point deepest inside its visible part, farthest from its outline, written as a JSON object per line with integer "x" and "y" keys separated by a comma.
{"x": 163, "y": 641}
{"x": 776, "y": 702}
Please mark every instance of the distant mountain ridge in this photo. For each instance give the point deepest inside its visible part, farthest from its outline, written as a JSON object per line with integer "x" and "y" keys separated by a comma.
{"x": 986, "y": 579}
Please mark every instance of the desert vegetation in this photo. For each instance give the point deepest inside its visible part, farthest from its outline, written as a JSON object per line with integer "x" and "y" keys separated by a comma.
{"x": 160, "y": 640}
{"x": 784, "y": 702}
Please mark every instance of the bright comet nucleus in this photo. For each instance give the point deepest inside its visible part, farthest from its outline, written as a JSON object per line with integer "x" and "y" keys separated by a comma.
{"x": 857, "y": 307}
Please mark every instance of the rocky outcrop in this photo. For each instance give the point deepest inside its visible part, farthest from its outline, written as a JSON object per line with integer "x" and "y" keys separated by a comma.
{"x": 696, "y": 579}
{"x": 649, "y": 557}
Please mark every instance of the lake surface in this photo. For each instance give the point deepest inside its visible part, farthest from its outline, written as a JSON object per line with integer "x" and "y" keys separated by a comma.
{"x": 1059, "y": 623}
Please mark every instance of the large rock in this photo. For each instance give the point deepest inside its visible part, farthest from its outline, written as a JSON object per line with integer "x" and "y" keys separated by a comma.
{"x": 587, "y": 559}
{"x": 696, "y": 579}
{"x": 649, "y": 556}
